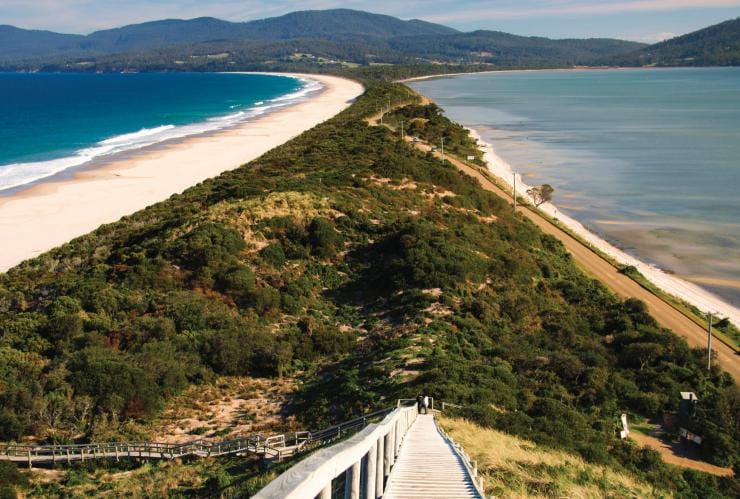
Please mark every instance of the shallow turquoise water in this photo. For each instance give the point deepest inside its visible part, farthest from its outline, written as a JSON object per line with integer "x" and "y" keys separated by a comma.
{"x": 54, "y": 122}
{"x": 649, "y": 159}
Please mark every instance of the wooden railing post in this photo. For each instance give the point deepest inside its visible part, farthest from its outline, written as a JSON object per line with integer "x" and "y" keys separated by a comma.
{"x": 372, "y": 461}
{"x": 380, "y": 466}
{"x": 388, "y": 446}
{"x": 352, "y": 481}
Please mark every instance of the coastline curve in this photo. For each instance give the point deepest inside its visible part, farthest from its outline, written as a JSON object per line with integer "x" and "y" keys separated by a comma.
{"x": 49, "y": 214}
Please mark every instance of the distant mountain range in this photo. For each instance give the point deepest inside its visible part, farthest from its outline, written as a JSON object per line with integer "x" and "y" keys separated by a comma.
{"x": 338, "y": 38}
{"x": 335, "y": 25}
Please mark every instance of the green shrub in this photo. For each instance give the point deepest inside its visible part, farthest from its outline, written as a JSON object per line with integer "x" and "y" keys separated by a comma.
{"x": 322, "y": 236}
{"x": 274, "y": 255}
{"x": 208, "y": 245}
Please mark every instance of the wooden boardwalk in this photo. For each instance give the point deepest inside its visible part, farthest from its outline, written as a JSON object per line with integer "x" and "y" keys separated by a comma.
{"x": 428, "y": 466}
{"x": 272, "y": 448}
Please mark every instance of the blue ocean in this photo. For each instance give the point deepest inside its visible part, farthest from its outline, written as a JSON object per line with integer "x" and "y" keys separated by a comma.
{"x": 647, "y": 159}
{"x": 52, "y": 123}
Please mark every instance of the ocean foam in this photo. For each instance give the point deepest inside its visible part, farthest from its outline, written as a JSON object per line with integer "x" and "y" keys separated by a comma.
{"x": 19, "y": 174}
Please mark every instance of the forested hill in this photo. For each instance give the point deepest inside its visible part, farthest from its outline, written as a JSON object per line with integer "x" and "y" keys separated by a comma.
{"x": 362, "y": 270}
{"x": 717, "y": 45}
{"x": 504, "y": 49}
{"x": 305, "y": 41}
{"x": 337, "y": 24}
{"x": 334, "y": 40}
{"x": 16, "y": 43}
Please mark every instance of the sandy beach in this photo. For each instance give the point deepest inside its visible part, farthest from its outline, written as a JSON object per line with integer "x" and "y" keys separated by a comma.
{"x": 49, "y": 214}
{"x": 669, "y": 283}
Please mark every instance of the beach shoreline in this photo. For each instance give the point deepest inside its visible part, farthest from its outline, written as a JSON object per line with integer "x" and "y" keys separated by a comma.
{"x": 669, "y": 283}
{"x": 207, "y": 127}
{"x": 544, "y": 70}
{"x": 54, "y": 211}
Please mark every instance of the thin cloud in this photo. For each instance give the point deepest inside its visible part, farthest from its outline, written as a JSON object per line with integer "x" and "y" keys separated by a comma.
{"x": 658, "y": 37}
{"x": 84, "y": 16}
{"x": 569, "y": 8}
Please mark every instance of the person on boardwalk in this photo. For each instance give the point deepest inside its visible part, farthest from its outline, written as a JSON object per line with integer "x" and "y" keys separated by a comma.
{"x": 419, "y": 403}
{"x": 426, "y": 404}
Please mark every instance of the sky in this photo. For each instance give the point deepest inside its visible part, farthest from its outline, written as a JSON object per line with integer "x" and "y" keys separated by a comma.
{"x": 640, "y": 20}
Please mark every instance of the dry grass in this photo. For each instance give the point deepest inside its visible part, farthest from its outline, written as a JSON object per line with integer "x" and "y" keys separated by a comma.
{"x": 229, "y": 407}
{"x": 297, "y": 205}
{"x": 149, "y": 480}
{"x": 246, "y": 214}
{"x": 513, "y": 468}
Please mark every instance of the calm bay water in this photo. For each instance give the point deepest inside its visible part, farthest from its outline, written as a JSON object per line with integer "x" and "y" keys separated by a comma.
{"x": 54, "y": 122}
{"x": 648, "y": 159}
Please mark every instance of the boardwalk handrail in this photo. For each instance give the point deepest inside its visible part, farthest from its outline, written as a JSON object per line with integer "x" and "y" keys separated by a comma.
{"x": 117, "y": 450}
{"x": 470, "y": 465}
{"x": 377, "y": 446}
{"x": 274, "y": 447}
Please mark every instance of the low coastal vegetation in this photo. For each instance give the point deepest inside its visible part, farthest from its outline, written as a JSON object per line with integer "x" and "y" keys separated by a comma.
{"x": 426, "y": 121}
{"x": 364, "y": 270}
{"x": 721, "y": 326}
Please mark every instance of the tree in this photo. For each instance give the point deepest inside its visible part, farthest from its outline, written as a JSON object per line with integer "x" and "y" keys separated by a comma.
{"x": 541, "y": 194}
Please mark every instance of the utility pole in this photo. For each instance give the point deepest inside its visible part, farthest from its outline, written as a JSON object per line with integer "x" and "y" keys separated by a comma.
{"x": 443, "y": 150}
{"x": 709, "y": 344}
{"x": 402, "y": 130}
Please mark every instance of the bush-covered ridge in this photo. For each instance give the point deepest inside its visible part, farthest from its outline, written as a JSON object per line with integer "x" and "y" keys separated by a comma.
{"x": 370, "y": 271}
{"x": 717, "y": 45}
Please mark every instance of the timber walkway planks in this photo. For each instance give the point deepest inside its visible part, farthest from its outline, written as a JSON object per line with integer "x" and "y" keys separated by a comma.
{"x": 403, "y": 456}
{"x": 429, "y": 466}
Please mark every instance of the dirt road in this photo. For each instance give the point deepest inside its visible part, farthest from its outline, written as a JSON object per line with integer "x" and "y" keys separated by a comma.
{"x": 605, "y": 272}
{"x": 674, "y": 454}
